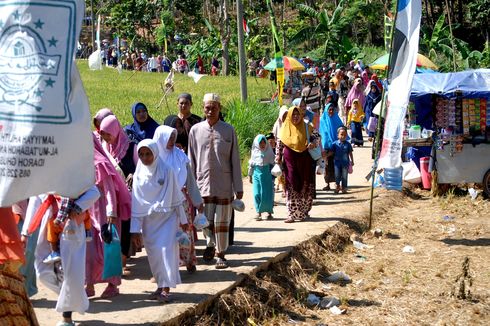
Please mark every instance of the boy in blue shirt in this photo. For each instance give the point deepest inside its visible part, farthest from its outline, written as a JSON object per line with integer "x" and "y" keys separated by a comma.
{"x": 342, "y": 151}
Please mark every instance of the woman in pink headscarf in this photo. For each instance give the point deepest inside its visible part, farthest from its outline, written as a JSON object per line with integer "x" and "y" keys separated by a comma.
{"x": 123, "y": 154}
{"x": 356, "y": 92}
{"x": 97, "y": 120}
{"x": 113, "y": 206}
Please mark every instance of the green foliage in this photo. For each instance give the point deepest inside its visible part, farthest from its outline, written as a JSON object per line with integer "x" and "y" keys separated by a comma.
{"x": 250, "y": 119}
{"x": 108, "y": 88}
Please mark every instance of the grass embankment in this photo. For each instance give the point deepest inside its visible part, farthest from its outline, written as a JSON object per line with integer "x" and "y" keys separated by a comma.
{"x": 118, "y": 91}
{"x": 445, "y": 281}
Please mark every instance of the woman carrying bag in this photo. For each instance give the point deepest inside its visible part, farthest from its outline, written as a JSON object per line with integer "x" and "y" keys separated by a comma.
{"x": 292, "y": 152}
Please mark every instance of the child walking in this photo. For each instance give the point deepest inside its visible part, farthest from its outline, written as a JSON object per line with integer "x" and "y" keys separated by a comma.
{"x": 342, "y": 156}
{"x": 259, "y": 172}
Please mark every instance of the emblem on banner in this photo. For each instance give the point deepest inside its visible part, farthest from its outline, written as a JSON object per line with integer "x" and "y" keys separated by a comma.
{"x": 35, "y": 61}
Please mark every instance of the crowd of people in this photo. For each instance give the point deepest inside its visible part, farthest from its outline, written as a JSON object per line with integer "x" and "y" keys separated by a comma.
{"x": 153, "y": 180}
{"x": 138, "y": 60}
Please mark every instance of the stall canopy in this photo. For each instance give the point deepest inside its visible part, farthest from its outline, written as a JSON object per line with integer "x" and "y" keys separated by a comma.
{"x": 468, "y": 84}
{"x": 472, "y": 83}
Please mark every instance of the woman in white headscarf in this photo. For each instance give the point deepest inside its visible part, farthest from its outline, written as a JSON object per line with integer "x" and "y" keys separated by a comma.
{"x": 156, "y": 210}
{"x": 165, "y": 137}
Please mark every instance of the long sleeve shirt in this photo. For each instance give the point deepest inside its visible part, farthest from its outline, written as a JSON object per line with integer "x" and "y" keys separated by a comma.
{"x": 215, "y": 159}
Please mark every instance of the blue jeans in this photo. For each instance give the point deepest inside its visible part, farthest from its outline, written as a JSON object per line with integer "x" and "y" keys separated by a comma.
{"x": 341, "y": 176}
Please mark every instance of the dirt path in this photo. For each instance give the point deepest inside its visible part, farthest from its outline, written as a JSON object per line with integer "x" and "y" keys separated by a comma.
{"x": 256, "y": 243}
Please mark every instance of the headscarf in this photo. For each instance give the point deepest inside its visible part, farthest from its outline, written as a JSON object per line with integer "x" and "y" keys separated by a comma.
{"x": 259, "y": 157}
{"x": 355, "y": 92}
{"x": 155, "y": 188}
{"x": 372, "y": 99}
{"x": 104, "y": 169}
{"x": 112, "y": 126}
{"x": 101, "y": 114}
{"x": 328, "y": 127}
{"x": 376, "y": 80}
{"x": 278, "y": 124}
{"x": 368, "y": 87}
{"x": 175, "y": 157}
{"x": 294, "y": 136}
{"x": 138, "y": 131}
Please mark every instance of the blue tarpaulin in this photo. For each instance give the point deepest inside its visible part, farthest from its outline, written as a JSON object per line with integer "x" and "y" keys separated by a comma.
{"x": 472, "y": 84}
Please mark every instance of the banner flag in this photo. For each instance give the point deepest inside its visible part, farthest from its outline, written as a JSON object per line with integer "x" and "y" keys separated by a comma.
{"x": 278, "y": 54}
{"x": 95, "y": 59}
{"x": 45, "y": 138}
{"x": 401, "y": 70}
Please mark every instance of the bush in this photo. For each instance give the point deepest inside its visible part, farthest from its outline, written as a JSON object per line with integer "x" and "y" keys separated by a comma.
{"x": 249, "y": 119}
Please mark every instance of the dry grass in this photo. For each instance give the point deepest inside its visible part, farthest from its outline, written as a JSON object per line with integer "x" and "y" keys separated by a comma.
{"x": 445, "y": 282}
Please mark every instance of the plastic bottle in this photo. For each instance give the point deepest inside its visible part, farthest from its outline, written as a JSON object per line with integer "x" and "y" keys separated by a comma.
{"x": 393, "y": 178}
{"x": 414, "y": 132}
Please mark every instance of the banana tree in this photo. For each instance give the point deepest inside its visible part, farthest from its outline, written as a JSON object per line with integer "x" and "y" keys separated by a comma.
{"x": 329, "y": 27}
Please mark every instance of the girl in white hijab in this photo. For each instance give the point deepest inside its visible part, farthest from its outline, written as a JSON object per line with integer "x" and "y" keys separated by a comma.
{"x": 165, "y": 137}
{"x": 157, "y": 208}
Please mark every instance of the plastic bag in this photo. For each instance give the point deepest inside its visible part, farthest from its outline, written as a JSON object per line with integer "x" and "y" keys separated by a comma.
{"x": 183, "y": 239}
{"x": 201, "y": 222}
{"x": 372, "y": 123}
{"x": 350, "y": 169}
{"x": 112, "y": 256}
{"x": 320, "y": 167}
{"x": 411, "y": 173}
{"x": 276, "y": 170}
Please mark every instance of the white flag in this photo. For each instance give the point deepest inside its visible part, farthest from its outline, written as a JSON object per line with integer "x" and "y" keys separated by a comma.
{"x": 194, "y": 76}
{"x": 402, "y": 68}
{"x": 45, "y": 138}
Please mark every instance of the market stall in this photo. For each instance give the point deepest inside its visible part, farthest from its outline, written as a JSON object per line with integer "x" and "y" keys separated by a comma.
{"x": 456, "y": 106}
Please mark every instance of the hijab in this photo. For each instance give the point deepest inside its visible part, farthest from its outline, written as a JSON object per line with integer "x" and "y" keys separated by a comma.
{"x": 112, "y": 126}
{"x": 355, "y": 92}
{"x": 259, "y": 157}
{"x": 329, "y": 126}
{"x": 103, "y": 170}
{"x": 376, "y": 80}
{"x": 138, "y": 131}
{"x": 155, "y": 188}
{"x": 101, "y": 114}
{"x": 294, "y": 136}
{"x": 175, "y": 157}
{"x": 278, "y": 124}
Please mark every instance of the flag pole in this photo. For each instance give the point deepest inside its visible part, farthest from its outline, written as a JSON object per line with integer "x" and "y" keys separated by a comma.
{"x": 378, "y": 126}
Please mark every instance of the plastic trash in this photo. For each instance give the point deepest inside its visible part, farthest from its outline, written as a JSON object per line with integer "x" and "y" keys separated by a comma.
{"x": 408, "y": 249}
{"x": 448, "y": 218}
{"x": 378, "y": 233}
{"x": 359, "y": 258}
{"x": 473, "y": 193}
{"x": 312, "y": 300}
{"x": 338, "y": 277}
{"x": 336, "y": 310}
{"x": 361, "y": 246}
{"x": 328, "y": 302}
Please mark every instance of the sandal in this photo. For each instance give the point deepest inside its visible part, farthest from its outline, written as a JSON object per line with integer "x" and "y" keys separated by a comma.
{"x": 327, "y": 187}
{"x": 270, "y": 217}
{"x": 208, "y": 254}
{"x": 126, "y": 271}
{"x": 159, "y": 296}
{"x": 289, "y": 220}
{"x": 110, "y": 292}
{"x": 221, "y": 263}
{"x": 258, "y": 217}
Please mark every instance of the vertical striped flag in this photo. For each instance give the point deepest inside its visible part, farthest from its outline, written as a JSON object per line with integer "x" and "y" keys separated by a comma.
{"x": 278, "y": 54}
{"x": 401, "y": 70}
